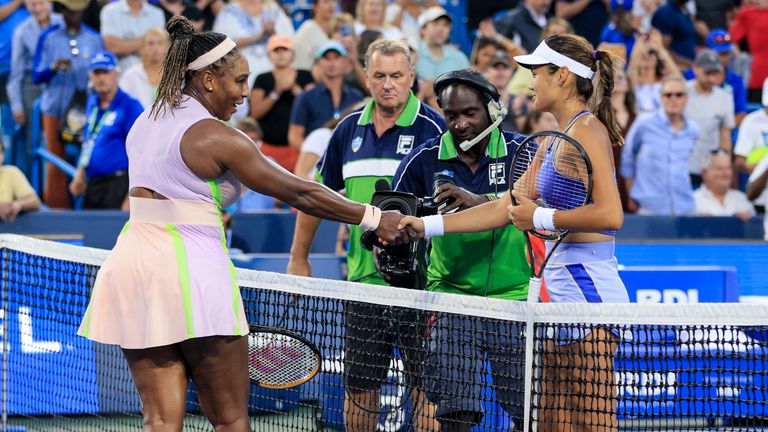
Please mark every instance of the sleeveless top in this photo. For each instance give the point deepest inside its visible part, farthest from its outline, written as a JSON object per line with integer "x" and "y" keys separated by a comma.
{"x": 548, "y": 174}
{"x": 155, "y": 162}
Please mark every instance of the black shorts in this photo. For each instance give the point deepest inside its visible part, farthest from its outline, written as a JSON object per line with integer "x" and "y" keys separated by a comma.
{"x": 372, "y": 333}
{"x": 106, "y": 192}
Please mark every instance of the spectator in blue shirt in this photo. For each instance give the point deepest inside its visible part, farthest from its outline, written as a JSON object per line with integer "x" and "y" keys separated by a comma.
{"x": 678, "y": 30}
{"x": 12, "y": 13}
{"x": 62, "y": 58}
{"x": 720, "y": 41}
{"x": 102, "y": 173}
{"x": 327, "y": 99}
{"x": 654, "y": 161}
{"x": 22, "y": 92}
{"x": 620, "y": 29}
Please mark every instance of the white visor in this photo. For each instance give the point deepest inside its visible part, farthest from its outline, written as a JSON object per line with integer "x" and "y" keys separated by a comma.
{"x": 213, "y": 55}
{"x": 543, "y": 55}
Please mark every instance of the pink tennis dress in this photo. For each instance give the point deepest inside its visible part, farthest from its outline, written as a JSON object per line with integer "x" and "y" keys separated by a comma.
{"x": 169, "y": 276}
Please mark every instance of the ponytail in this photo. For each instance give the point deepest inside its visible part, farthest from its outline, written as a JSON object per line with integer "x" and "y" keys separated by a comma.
{"x": 601, "y": 101}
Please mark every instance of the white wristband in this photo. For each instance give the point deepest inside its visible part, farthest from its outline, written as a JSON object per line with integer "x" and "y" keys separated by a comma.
{"x": 544, "y": 219}
{"x": 433, "y": 226}
{"x": 371, "y": 218}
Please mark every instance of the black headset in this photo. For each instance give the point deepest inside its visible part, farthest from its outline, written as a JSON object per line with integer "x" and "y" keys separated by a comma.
{"x": 478, "y": 82}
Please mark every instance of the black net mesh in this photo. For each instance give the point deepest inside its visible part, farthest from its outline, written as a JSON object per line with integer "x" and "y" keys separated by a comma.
{"x": 401, "y": 360}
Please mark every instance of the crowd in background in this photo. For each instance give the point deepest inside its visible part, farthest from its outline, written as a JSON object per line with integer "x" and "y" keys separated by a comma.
{"x": 691, "y": 93}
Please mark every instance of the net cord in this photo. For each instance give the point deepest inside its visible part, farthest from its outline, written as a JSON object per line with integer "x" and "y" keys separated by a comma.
{"x": 6, "y": 344}
{"x": 594, "y": 313}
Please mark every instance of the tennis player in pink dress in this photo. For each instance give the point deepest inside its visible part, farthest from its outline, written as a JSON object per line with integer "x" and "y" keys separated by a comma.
{"x": 167, "y": 293}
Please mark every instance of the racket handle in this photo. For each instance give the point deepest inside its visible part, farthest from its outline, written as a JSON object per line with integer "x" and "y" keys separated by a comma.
{"x": 534, "y": 288}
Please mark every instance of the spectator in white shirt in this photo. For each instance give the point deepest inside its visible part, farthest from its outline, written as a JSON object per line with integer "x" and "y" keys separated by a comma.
{"x": 370, "y": 16}
{"x": 752, "y": 143}
{"x": 123, "y": 24}
{"x": 314, "y": 33}
{"x": 141, "y": 80}
{"x": 715, "y": 196}
{"x": 250, "y": 23}
{"x": 404, "y": 14}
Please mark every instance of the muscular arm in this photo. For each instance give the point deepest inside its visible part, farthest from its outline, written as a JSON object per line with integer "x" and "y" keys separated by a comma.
{"x": 757, "y": 186}
{"x": 481, "y": 218}
{"x": 209, "y": 148}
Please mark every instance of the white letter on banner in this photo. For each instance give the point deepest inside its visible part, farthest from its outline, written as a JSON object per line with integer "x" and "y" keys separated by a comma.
{"x": 28, "y": 343}
{"x": 2, "y": 333}
{"x": 648, "y": 296}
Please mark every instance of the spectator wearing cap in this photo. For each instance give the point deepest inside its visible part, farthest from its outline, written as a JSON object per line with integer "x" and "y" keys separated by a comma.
{"x": 721, "y": 42}
{"x": 588, "y": 17}
{"x": 141, "y": 80}
{"x": 711, "y": 108}
{"x": 327, "y": 99}
{"x": 250, "y": 23}
{"x": 314, "y": 33}
{"x": 62, "y": 59}
{"x": 655, "y": 156}
{"x": 123, "y": 24}
{"x": 715, "y": 196}
{"x": 523, "y": 24}
{"x": 436, "y": 56}
{"x": 752, "y": 142}
{"x": 22, "y": 92}
{"x": 678, "y": 29}
{"x": 621, "y": 28}
{"x": 102, "y": 171}
{"x": 499, "y": 73}
{"x": 750, "y": 26}
{"x": 273, "y": 96}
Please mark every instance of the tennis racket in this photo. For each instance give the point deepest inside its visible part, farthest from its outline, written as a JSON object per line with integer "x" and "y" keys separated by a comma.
{"x": 554, "y": 171}
{"x": 279, "y": 358}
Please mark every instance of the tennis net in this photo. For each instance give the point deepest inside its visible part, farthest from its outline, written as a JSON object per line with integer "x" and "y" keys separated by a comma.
{"x": 400, "y": 359}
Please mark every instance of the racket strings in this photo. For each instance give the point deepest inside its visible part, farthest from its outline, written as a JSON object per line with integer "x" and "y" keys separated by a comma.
{"x": 278, "y": 360}
{"x": 552, "y": 172}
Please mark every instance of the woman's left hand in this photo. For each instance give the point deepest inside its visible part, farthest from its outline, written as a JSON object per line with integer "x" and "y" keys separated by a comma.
{"x": 521, "y": 214}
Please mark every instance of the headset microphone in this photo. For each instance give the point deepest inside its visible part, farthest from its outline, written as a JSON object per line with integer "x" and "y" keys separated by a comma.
{"x": 466, "y": 145}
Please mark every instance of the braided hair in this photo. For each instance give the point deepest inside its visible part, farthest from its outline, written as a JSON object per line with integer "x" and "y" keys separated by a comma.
{"x": 186, "y": 46}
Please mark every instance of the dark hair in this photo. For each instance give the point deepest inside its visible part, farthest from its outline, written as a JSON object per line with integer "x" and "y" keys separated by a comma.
{"x": 481, "y": 43}
{"x": 579, "y": 49}
{"x": 186, "y": 46}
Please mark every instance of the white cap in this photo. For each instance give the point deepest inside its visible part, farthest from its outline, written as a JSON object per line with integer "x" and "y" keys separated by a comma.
{"x": 765, "y": 97}
{"x": 432, "y": 14}
{"x": 544, "y": 55}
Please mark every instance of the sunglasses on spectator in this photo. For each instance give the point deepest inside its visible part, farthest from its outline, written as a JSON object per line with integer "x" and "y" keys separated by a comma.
{"x": 719, "y": 39}
{"x": 73, "y": 49}
{"x": 673, "y": 94}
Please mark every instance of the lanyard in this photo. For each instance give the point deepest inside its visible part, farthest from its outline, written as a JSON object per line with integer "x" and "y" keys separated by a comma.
{"x": 92, "y": 130}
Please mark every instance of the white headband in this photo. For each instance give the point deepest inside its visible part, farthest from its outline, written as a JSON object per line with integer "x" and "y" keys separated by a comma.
{"x": 213, "y": 55}
{"x": 546, "y": 55}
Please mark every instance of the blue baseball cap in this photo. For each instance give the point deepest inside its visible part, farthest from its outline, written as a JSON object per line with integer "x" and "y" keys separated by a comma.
{"x": 332, "y": 45}
{"x": 720, "y": 41}
{"x": 103, "y": 60}
{"x": 624, "y": 4}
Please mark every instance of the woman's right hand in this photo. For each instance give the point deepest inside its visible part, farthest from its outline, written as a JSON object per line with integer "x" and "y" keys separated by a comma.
{"x": 413, "y": 226}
